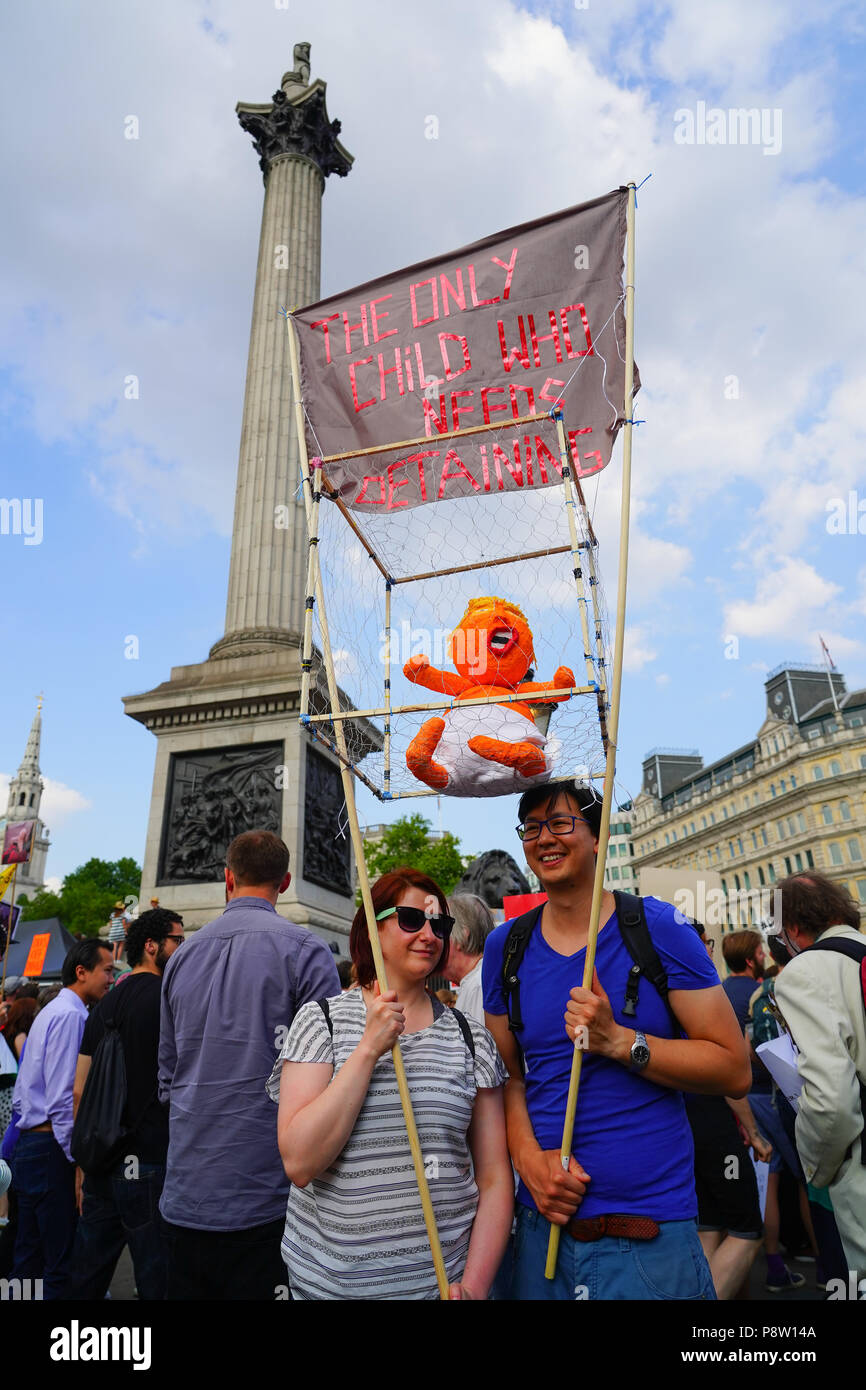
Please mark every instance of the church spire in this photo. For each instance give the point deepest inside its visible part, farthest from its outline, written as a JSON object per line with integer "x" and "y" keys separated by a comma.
{"x": 25, "y": 789}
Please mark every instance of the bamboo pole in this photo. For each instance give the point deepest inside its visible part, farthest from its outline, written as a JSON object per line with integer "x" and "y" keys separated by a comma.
{"x": 363, "y": 877}
{"x": 589, "y": 547}
{"x": 610, "y": 762}
{"x": 309, "y": 599}
{"x": 334, "y": 495}
{"x": 577, "y": 568}
{"x": 502, "y": 425}
{"x": 386, "y": 776}
{"x": 527, "y": 698}
{"x": 484, "y": 564}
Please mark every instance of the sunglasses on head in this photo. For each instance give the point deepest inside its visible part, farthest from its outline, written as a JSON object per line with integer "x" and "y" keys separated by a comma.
{"x": 412, "y": 919}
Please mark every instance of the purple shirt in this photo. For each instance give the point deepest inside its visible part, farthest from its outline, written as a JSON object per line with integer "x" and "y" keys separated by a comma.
{"x": 43, "y": 1089}
{"x": 229, "y": 996}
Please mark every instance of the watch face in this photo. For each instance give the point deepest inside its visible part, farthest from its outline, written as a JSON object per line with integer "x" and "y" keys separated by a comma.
{"x": 639, "y": 1054}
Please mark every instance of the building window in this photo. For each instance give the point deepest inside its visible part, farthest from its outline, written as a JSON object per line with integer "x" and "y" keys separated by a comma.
{"x": 792, "y": 829}
{"x": 793, "y": 780}
{"x": 854, "y": 850}
{"x": 740, "y": 844}
{"x": 817, "y": 773}
{"x": 810, "y": 862}
{"x": 788, "y": 869}
{"x": 737, "y": 882}
{"x": 863, "y": 759}
{"x": 747, "y": 881}
{"x": 835, "y": 768}
{"x": 31, "y": 798}
{"x": 772, "y": 789}
{"x": 844, "y": 810}
{"x": 764, "y": 835}
{"x": 771, "y": 873}
{"x": 614, "y": 873}
{"x": 761, "y": 878}
{"x": 801, "y": 822}
{"x": 725, "y": 812}
{"x": 703, "y": 822}
{"x": 798, "y": 860}
{"x": 835, "y": 854}
{"x": 754, "y": 840}
{"x": 713, "y": 814}
{"x": 22, "y": 798}
{"x": 827, "y": 814}
{"x": 730, "y": 849}
{"x": 780, "y": 829}
{"x": 783, "y": 784}
{"x": 861, "y": 889}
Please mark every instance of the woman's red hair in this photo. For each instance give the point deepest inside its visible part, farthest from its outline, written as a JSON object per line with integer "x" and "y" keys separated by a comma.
{"x": 385, "y": 893}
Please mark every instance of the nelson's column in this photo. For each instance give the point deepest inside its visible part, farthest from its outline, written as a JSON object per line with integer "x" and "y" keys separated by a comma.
{"x": 230, "y": 755}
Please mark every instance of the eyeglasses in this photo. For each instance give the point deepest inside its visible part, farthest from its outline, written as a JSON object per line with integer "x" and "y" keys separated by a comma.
{"x": 559, "y": 825}
{"x": 412, "y": 919}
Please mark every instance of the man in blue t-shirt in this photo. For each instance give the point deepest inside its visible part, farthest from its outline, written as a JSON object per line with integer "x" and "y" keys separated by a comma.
{"x": 632, "y": 1155}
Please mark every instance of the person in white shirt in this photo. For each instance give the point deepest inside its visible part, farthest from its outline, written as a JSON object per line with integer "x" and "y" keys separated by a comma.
{"x": 472, "y": 924}
{"x": 821, "y": 998}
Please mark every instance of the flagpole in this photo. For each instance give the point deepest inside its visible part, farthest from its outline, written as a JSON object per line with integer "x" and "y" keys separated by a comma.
{"x": 613, "y": 723}
{"x": 828, "y": 663}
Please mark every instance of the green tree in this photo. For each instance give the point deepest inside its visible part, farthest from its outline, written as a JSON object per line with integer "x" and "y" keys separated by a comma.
{"x": 88, "y": 895}
{"x": 408, "y": 842}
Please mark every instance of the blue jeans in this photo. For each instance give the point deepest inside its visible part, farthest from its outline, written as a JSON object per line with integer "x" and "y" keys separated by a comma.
{"x": 44, "y": 1181}
{"x": 671, "y": 1266}
{"x": 117, "y": 1211}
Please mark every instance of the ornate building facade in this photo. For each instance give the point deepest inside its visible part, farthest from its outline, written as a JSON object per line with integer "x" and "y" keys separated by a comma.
{"x": 793, "y": 798}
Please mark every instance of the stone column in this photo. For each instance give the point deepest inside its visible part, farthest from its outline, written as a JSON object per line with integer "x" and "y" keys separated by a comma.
{"x": 298, "y": 149}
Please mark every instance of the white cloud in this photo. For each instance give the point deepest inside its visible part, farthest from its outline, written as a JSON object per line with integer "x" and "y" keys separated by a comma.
{"x": 58, "y": 801}
{"x": 663, "y": 679}
{"x": 787, "y": 600}
{"x": 637, "y": 652}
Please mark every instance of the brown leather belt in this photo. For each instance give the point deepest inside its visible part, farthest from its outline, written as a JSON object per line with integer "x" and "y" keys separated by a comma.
{"x": 595, "y": 1227}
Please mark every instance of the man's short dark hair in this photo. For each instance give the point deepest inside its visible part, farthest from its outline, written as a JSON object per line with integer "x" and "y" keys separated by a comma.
{"x": 345, "y": 970}
{"x": 548, "y": 794}
{"x": 154, "y": 925}
{"x": 84, "y": 953}
{"x": 258, "y": 859}
{"x": 814, "y": 902}
{"x": 739, "y": 947}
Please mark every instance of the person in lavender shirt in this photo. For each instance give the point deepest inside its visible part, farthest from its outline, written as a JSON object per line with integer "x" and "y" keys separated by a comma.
{"x": 43, "y": 1170}
{"x": 229, "y": 996}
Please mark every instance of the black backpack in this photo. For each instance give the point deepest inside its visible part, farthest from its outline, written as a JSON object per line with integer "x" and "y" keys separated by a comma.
{"x": 638, "y": 942}
{"x": 99, "y": 1135}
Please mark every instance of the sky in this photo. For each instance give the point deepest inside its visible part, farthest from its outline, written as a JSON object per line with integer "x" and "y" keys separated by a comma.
{"x": 136, "y": 257}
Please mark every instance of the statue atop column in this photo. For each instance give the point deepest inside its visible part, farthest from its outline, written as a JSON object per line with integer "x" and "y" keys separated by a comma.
{"x": 296, "y": 122}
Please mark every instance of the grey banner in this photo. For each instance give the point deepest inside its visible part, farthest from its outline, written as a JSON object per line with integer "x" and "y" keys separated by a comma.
{"x": 517, "y": 324}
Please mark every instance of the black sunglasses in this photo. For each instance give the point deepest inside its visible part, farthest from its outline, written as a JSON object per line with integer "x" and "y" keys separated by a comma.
{"x": 412, "y": 919}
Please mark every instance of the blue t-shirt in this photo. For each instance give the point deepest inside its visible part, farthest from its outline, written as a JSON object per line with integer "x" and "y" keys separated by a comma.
{"x": 630, "y": 1135}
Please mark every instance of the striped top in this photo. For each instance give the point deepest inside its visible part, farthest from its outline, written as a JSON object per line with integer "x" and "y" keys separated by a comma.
{"x": 358, "y": 1231}
{"x": 117, "y": 927}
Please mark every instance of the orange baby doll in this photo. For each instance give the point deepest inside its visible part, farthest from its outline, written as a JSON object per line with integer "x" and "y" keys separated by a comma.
{"x": 484, "y": 750}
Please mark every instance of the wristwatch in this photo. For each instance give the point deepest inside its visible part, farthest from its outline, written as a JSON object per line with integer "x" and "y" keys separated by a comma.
{"x": 640, "y": 1053}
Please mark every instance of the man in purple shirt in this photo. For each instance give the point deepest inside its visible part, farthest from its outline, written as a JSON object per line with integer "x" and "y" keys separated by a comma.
{"x": 43, "y": 1170}
{"x": 229, "y": 996}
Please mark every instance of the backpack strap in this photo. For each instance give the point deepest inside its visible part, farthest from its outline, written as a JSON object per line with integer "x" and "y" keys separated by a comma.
{"x": 466, "y": 1031}
{"x": 856, "y": 951}
{"x": 635, "y": 933}
{"x": 324, "y": 1006}
{"x": 513, "y": 952}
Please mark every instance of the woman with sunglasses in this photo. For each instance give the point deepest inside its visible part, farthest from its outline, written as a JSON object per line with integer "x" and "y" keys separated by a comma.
{"x": 354, "y": 1224}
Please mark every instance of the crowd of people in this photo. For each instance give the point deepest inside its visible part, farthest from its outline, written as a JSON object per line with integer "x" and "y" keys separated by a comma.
{"x": 228, "y": 1107}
